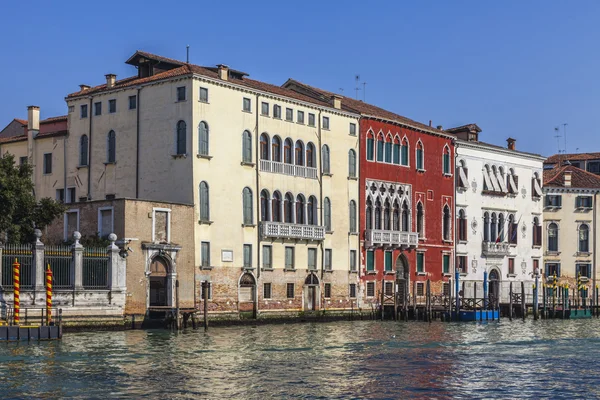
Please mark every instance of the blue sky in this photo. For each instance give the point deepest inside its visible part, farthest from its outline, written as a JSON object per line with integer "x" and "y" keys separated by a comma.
{"x": 516, "y": 68}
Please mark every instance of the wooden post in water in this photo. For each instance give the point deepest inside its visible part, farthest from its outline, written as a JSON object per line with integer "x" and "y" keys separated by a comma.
{"x": 177, "y": 304}
{"x": 382, "y": 296}
{"x": 510, "y": 301}
{"x": 523, "y": 301}
{"x": 405, "y": 300}
{"x": 535, "y": 302}
{"x": 450, "y": 300}
{"x": 415, "y": 300}
{"x": 205, "y": 290}
{"x": 428, "y": 305}
{"x": 544, "y": 314}
{"x": 395, "y": 300}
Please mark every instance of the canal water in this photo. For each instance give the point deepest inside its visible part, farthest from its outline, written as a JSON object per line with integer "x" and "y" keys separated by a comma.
{"x": 359, "y": 359}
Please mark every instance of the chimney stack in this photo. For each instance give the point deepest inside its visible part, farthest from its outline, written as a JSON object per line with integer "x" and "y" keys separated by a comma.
{"x": 33, "y": 119}
{"x": 83, "y": 87}
{"x": 567, "y": 180}
{"x": 110, "y": 80}
{"x": 511, "y": 143}
{"x": 223, "y": 71}
{"x": 337, "y": 101}
{"x": 440, "y": 127}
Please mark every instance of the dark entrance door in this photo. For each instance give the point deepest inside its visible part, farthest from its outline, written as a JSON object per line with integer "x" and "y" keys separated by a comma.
{"x": 310, "y": 292}
{"x": 494, "y": 286}
{"x": 402, "y": 280}
{"x": 158, "y": 282}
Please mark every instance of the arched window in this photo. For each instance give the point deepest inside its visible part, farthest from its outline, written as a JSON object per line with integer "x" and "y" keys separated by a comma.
{"x": 247, "y": 147}
{"x": 327, "y": 214}
{"x": 380, "y": 146}
{"x": 276, "y": 207}
{"x": 299, "y": 153}
{"x": 203, "y": 139}
{"x": 486, "y": 227}
{"x": 288, "y": 208}
{"x": 264, "y": 205}
{"x": 396, "y": 216}
{"x": 276, "y": 149}
{"x": 405, "y": 217}
{"x": 370, "y": 147}
{"x": 311, "y": 155}
{"x": 420, "y": 220}
{"x": 512, "y": 229}
{"x": 553, "y": 237}
{"x": 312, "y": 213}
{"x": 352, "y": 216}
{"x": 494, "y": 228}
{"x": 447, "y": 231}
{"x": 369, "y": 215}
{"x": 288, "y": 157}
{"x": 352, "y": 163}
{"x": 264, "y": 146}
{"x": 83, "y": 151}
{"x": 300, "y": 209}
{"x": 420, "y": 156}
{"x": 181, "y": 138}
{"x": 584, "y": 239}
{"x": 112, "y": 147}
{"x": 325, "y": 161}
{"x": 247, "y": 205}
{"x": 404, "y": 158}
{"x": 204, "y": 202}
{"x": 377, "y": 214}
{"x": 446, "y": 160}
{"x": 537, "y": 232}
{"x": 386, "y": 216}
{"x": 388, "y": 150}
{"x": 500, "y": 228}
{"x": 396, "y": 151}
{"x": 462, "y": 225}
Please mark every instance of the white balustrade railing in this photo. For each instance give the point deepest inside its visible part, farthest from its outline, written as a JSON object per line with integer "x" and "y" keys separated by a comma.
{"x": 288, "y": 169}
{"x": 492, "y": 249}
{"x": 292, "y": 231}
{"x": 378, "y": 237}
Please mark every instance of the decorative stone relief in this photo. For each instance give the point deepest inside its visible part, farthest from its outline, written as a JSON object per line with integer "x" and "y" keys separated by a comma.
{"x": 523, "y": 229}
{"x": 474, "y": 185}
{"x": 474, "y": 265}
{"x": 523, "y": 266}
{"x": 523, "y": 192}
{"x": 474, "y": 225}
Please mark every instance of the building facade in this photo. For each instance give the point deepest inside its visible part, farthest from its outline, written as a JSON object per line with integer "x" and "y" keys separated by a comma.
{"x": 499, "y": 217}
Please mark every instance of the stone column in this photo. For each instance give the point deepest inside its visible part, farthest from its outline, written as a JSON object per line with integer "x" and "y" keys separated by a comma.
{"x": 115, "y": 270}
{"x": 77, "y": 269}
{"x": 38, "y": 261}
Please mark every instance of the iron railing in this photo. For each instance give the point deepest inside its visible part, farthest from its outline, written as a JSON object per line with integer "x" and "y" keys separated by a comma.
{"x": 95, "y": 268}
{"x": 60, "y": 260}
{"x": 24, "y": 254}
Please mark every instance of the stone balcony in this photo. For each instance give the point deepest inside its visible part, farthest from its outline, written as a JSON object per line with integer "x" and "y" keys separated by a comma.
{"x": 280, "y": 230}
{"x": 492, "y": 249}
{"x": 395, "y": 239}
{"x": 288, "y": 169}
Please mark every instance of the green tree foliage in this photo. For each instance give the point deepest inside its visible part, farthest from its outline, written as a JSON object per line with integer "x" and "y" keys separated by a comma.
{"x": 20, "y": 213}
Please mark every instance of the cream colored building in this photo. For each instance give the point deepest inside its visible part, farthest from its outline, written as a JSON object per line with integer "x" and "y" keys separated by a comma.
{"x": 570, "y": 226}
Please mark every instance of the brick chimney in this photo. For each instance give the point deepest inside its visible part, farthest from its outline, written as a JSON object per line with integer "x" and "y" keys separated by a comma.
{"x": 337, "y": 101}
{"x": 567, "y": 178}
{"x": 83, "y": 87}
{"x": 110, "y": 80}
{"x": 511, "y": 143}
{"x": 33, "y": 128}
{"x": 223, "y": 71}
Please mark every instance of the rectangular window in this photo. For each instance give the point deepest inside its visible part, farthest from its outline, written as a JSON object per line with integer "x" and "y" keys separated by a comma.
{"x": 108, "y": 196}
{"x": 266, "y": 290}
{"x": 388, "y": 261}
{"x": 289, "y": 114}
{"x": 420, "y": 262}
{"x": 71, "y": 223}
{"x": 48, "y": 163}
{"x": 370, "y": 260}
{"x": 554, "y": 201}
{"x": 325, "y": 122}
{"x": 132, "y": 102}
{"x": 181, "y": 93}
{"x": 583, "y": 202}
{"x": 446, "y": 263}
{"x": 83, "y": 110}
{"x": 593, "y": 167}
{"x": 536, "y": 266}
{"x": 247, "y": 105}
{"x": 60, "y": 195}
{"x": 353, "y": 260}
{"x": 461, "y": 264}
{"x": 312, "y": 259}
{"x": 22, "y": 160}
{"x": 105, "y": 222}
{"x": 584, "y": 270}
{"x": 289, "y": 258}
{"x": 389, "y": 288}
{"x": 511, "y": 266}
{"x": 71, "y": 196}
{"x": 267, "y": 257}
{"x": 264, "y": 108}
{"x": 71, "y": 109}
{"x": 327, "y": 290}
{"x": 204, "y": 95}
{"x": 420, "y": 289}
{"x": 98, "y": 108}
{"x": 446, "y": 289}
{"x": 328, "y": 261}
{"x": 352, "y": 129}
{"x": 370, "y": 289}
{"x": 290, "y": 290}
{"x": 353, "y": 290}
{"x": 205, "y": 254}
{"x": 552, "y": 269}
{"x": 112, "y": 106}
{"x": 446, "y": 162}
{"x": 205, "y": 286}
{"x": 161, "y": 226}
{"x": 247, "y": 256}
{"x": 277, "y": 111}
{"x": 311, "y": 119}
{"x": 300, "y": 117}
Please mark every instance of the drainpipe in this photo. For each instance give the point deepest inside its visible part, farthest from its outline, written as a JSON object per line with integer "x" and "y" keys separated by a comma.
{"x": 90, "y": 152}
{"x": 137, "y": 146}
{"x": 257, "y": 196}
{"x": 321, "y": 195}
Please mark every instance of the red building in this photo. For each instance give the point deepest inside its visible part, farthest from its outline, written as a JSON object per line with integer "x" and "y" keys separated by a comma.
{"x": 406, "y": 200}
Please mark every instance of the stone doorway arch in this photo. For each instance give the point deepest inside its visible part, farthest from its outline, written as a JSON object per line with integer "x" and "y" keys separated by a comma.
{"x": 311, "y": 292}
{"x": 402, "y": 279}
{"x": 159, "y": 282}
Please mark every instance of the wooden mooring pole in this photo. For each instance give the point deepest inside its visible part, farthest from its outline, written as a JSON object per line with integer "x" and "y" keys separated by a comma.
{"x": 205, "y": 288}
{"x": 510, "y": 301}
{"x": 177, "y": 304}
{"x": 523, "y": 301}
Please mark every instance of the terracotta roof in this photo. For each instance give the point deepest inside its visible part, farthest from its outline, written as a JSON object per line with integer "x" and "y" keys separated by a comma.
{"x": 21, "y": 121}
{"x": 464, "y": 127}
{"x": 153, "y": 57}
{"x": 579, "y": 178}
{"x": 556, "y": 158}
{"x": 13, "y": 139}
{"x": 52, "y": 119}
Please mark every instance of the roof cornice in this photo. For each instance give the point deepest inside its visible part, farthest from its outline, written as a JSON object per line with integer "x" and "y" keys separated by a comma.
{"x": 406, "y": 125}
{"x": 501, "y": 150}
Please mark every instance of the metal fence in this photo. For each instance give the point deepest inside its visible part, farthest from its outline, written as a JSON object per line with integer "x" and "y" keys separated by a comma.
{"x": 60, "y": 260}
{"x": 24, "y": 254}
{"x": 95, "y": 268}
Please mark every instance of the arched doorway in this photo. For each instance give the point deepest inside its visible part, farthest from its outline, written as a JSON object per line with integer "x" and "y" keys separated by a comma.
{"x": 247, "y": 288}
{"x": 402, "y": 279}
{"x": 311, "y": 295}
{"x": 494, "y": 285}
{"x": 159, "y": 279}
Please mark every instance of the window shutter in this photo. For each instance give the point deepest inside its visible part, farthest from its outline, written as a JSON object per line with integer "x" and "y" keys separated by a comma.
{"x": 327, "y": 214}
{"x": 558, "y": 269}
{"x": 370, "y": 148}
{"x": 370, "y": 261}
{"x": 559, "y": 201}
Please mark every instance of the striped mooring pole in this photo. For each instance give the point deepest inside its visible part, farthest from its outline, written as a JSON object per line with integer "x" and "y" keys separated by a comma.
{"x": 17, "y": 290}
{"x": 48, "y": 295}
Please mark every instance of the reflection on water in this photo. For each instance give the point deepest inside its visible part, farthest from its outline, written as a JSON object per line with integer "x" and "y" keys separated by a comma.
{"x": 362, "y": 359}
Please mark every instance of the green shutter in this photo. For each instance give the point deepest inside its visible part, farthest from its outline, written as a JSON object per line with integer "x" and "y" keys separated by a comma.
{"x": 370, "y": 144}
{"x": 446, "y": 264}
{"x": 388, "y": 260}
{"x": 405, "y": 155}
{"x": 420, "y": 159}
{"x": 420, "y": 259}
{"x": 370, "y": 261}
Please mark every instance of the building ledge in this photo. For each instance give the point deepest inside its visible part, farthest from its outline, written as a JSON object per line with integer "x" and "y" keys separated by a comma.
{"x": 206, "y": 267}
{"x": 203, "y": 222}
{"x": 353, "y": 178}
{"x": 175, "y": 156}
{"x": 421, "y": 273}
{"x": 247, "y": 164}
{"x": 160, "y": 246}
{"x": 204, "y": 156}
{"x": 289, "y": 270}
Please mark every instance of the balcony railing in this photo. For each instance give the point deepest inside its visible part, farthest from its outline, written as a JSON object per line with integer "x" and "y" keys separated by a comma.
{"x": 492, "y": 249}
{"x": 288, "y": 169}
{"x": 377, "y": 237}
{"x": 291, "y": 231}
